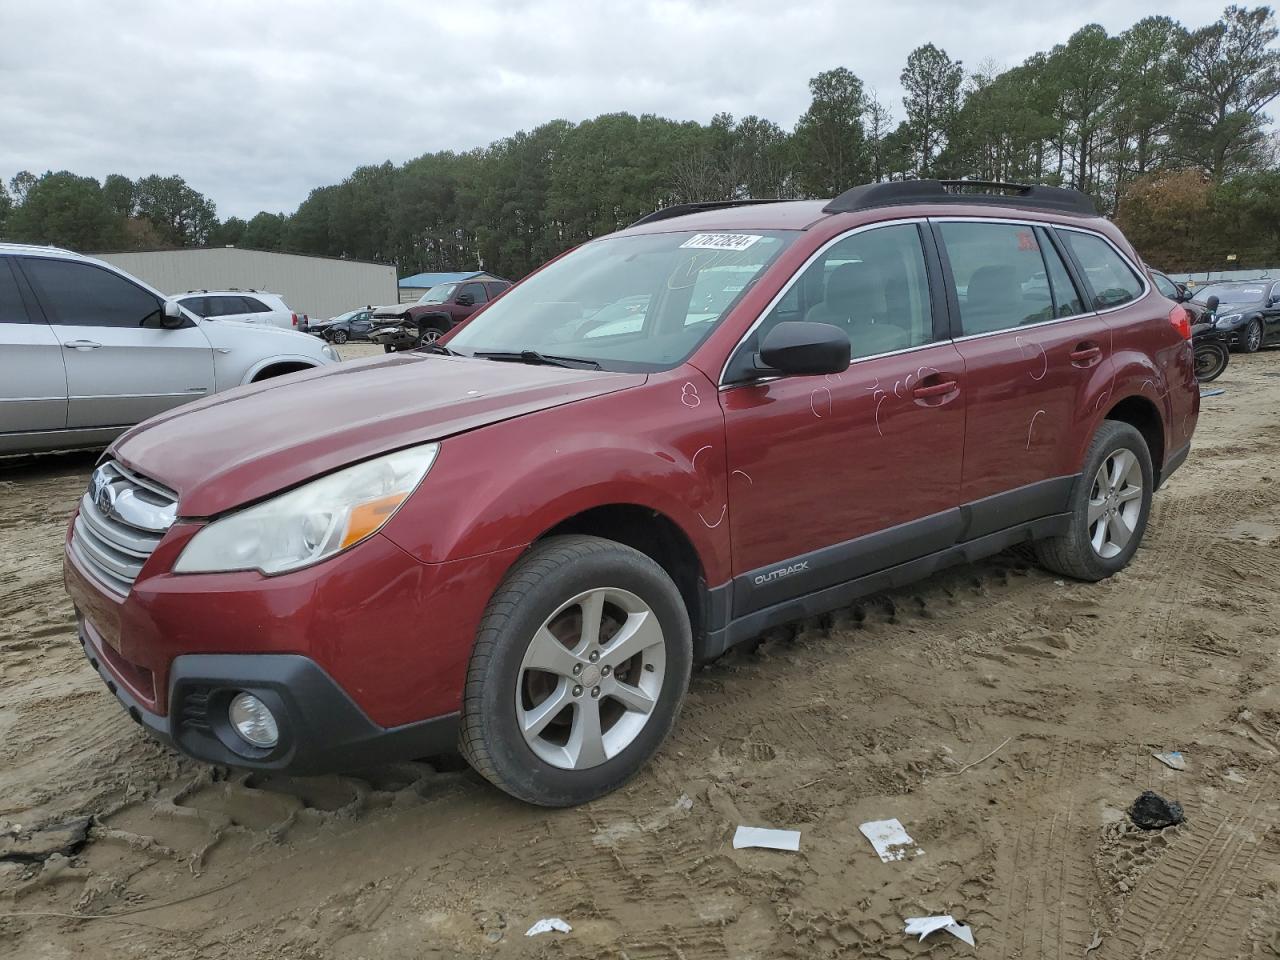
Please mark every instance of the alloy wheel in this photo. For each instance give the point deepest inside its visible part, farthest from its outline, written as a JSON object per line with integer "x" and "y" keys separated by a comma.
{"x": 1115, "y": 503}
{"x": 1255, "y": 336}
{"x": 429, "y": 335}
{"x": 590, "y": 678}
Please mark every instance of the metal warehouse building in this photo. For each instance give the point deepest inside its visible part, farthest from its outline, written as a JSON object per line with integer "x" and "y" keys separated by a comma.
{"x": 317, "y": 286}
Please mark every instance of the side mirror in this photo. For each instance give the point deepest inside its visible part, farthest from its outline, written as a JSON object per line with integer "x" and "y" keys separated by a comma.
{"x": 465, "y": 300}
{"x": 1211, "y": 304}
{"x": 805, "y": 349}
{"x": 171, "y": 317}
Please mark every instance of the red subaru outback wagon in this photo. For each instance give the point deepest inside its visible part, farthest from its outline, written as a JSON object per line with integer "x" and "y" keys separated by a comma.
{"x": 723, "y": 418}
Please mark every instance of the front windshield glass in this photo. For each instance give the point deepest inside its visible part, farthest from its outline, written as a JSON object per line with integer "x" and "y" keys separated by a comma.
{"x": 1231, "y": 293}
{"x": 437, "y": 294}
{"x": 639, "y": 303}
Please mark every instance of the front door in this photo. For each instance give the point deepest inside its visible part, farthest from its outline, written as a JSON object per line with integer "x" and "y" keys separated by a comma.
{"x": 1035, "y": 353}
{"x": 121, "y": 365}
{"x": 33, "y": 380}
{"x": 834, "y": 477}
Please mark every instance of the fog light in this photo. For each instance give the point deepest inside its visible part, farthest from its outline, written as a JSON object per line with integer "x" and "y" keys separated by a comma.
{"x": 253, "y": 721}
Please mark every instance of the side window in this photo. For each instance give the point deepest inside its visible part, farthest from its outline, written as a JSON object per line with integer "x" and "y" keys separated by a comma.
{"x": 1112, "y": 280}
{"x": 496, "y": 287}
{"x": 872, "y": 285}
{"x": 1066, "y": 299}
{"x": 1001, "y": 278}
{"x": 12, "y": 309}
{"x": 80, "y": 294}
{"x": 1165, "y": 286}
{"x": 196, "y": 305}
{"x": 476, "y": 290}
{"x": 252, "y": 305}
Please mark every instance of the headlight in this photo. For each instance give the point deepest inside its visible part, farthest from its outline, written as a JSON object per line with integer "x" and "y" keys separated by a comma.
{"x": 1229, "y": 319}
{"x": 329, "y": 352}
{"x": 312, "y": 522}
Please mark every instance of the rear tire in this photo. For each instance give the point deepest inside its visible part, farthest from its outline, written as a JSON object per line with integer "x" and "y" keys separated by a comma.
{"x": 1109, "y": 507}
{"x": 1210, "y": 360}
{"x": 556, "y": 712}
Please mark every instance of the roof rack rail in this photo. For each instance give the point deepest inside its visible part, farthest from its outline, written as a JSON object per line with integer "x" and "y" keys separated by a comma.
{"x": 996, "y": 193}
{"x": 684, "y": 209}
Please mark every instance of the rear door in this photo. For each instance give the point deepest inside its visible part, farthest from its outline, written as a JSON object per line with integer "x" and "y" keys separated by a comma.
{"x": 1034, "y": 352}
{"x": 835, "y": 477}
{"x": 33, "y": 378}
{"x": 121, "y": 365}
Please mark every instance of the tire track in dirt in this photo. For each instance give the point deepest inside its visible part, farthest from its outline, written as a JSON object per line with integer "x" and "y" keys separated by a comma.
{"x": 1187, "y": 905}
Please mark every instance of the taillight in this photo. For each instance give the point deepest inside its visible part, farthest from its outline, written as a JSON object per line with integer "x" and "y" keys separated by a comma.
{"x": 295, "y": 319}
{"x": 1181, "y": 321}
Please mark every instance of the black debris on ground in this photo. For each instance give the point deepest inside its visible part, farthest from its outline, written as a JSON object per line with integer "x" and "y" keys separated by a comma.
{"x": 38, "y": 845}
{"x": 1153, "y": 812}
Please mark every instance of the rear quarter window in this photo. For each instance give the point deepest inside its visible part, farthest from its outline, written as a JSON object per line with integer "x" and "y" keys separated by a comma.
{"x": 1112, "y": 281}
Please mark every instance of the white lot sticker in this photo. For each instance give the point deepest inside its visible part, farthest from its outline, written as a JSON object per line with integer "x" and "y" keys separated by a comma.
{"x": 721, "y": 241}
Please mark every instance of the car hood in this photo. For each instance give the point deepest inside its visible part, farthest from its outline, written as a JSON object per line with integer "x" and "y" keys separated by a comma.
{"x": 234, "y": 333}
{"x": 252, "y": 441}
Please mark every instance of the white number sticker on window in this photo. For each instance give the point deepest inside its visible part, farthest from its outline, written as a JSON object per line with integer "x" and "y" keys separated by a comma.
{"x": 721, "y": 241}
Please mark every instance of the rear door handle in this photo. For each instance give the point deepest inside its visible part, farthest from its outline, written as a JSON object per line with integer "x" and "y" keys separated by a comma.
{"x": 935, "y": 390}
{"x": 1085, "y": 353}
{"x": 82, "y": 345}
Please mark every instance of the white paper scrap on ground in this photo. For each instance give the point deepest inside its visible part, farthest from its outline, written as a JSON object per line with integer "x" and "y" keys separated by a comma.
{"x": 1172, "y": 759}
{"x": 890, "y": 840}
{"x": 546, "y": 925}
{"x": 927, "y": 925}
{"x": 764, "y": 837}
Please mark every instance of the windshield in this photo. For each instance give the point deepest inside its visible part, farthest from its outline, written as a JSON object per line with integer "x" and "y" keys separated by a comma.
{"x": 641, "y": 303}
{"x": 438, "y": 294}
{"x": 1231, "y": 293}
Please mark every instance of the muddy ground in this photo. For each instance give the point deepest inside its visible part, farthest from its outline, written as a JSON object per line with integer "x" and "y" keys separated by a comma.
{"x": 880, "y": 711}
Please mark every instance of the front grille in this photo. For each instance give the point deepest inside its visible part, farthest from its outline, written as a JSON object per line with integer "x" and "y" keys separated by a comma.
{"x": 122, "y": 518}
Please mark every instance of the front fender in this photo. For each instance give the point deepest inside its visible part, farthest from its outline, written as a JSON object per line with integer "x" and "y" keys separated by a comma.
{"x": 506, "y": 484}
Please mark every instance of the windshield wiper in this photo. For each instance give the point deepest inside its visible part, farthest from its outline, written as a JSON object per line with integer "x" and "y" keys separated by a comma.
{"x": 534, "y": 357}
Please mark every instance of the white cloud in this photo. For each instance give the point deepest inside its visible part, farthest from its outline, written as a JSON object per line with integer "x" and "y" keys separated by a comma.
{"x": 255, "y": 104}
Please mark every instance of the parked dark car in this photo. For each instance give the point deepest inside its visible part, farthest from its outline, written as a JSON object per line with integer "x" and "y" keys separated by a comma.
{"x": 1248, "y": 311}
{"x": 356, "y": 325}
{"x": 441, "y": 308}
{"x": 519, "y": 540}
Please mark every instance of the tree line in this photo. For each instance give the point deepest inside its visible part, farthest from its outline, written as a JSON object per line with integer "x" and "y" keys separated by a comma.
{"x": 1162, "y": 124}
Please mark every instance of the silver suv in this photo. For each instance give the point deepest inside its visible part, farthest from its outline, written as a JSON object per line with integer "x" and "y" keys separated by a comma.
{"x": 250, "y": 306}
{"x": 87, "y": 351}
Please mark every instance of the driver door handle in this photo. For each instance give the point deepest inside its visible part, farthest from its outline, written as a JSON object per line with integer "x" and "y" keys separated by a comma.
{"x": 82, "y": 345}
{"x": 934, "y": 390}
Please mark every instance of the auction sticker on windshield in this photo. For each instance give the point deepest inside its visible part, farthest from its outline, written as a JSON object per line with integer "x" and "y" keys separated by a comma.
{"x": 721, "y": 241}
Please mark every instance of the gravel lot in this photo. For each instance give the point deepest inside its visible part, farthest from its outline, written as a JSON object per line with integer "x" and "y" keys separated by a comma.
{"x": 883, "y": 710}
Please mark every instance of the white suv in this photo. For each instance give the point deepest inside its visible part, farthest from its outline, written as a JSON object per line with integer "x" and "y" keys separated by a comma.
{"x": 249, "y": 306}
{"x": 87, "y": 351}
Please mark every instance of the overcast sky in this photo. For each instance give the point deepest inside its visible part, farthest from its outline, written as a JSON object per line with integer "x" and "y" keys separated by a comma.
{"x": 255, "y": 103}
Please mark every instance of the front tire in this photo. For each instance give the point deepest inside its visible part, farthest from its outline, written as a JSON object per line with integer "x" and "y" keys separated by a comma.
{"x": 1109, "y": 507}
{"x": 1251, "y": 341}
{"x": 580, "y": 666}
{"x": 429, "y": 335}
{"x": 339, "y": 337}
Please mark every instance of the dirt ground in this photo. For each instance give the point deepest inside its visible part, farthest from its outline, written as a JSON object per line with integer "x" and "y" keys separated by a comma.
{"x": 884, "y": 710}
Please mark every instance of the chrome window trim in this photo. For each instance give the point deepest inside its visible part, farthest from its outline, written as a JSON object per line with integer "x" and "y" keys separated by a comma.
{"x": 795, "y": 277}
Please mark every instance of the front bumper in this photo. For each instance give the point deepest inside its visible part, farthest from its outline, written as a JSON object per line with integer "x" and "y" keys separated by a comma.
{"x": 321, "y": 728}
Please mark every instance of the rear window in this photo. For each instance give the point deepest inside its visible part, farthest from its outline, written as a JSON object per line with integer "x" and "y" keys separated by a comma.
{"x": 1108, "y": 274}
{"x": 1001, "y": 277}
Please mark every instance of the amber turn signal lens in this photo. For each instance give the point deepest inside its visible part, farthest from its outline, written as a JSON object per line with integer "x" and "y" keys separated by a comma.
{"x": 368, "y": 517}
